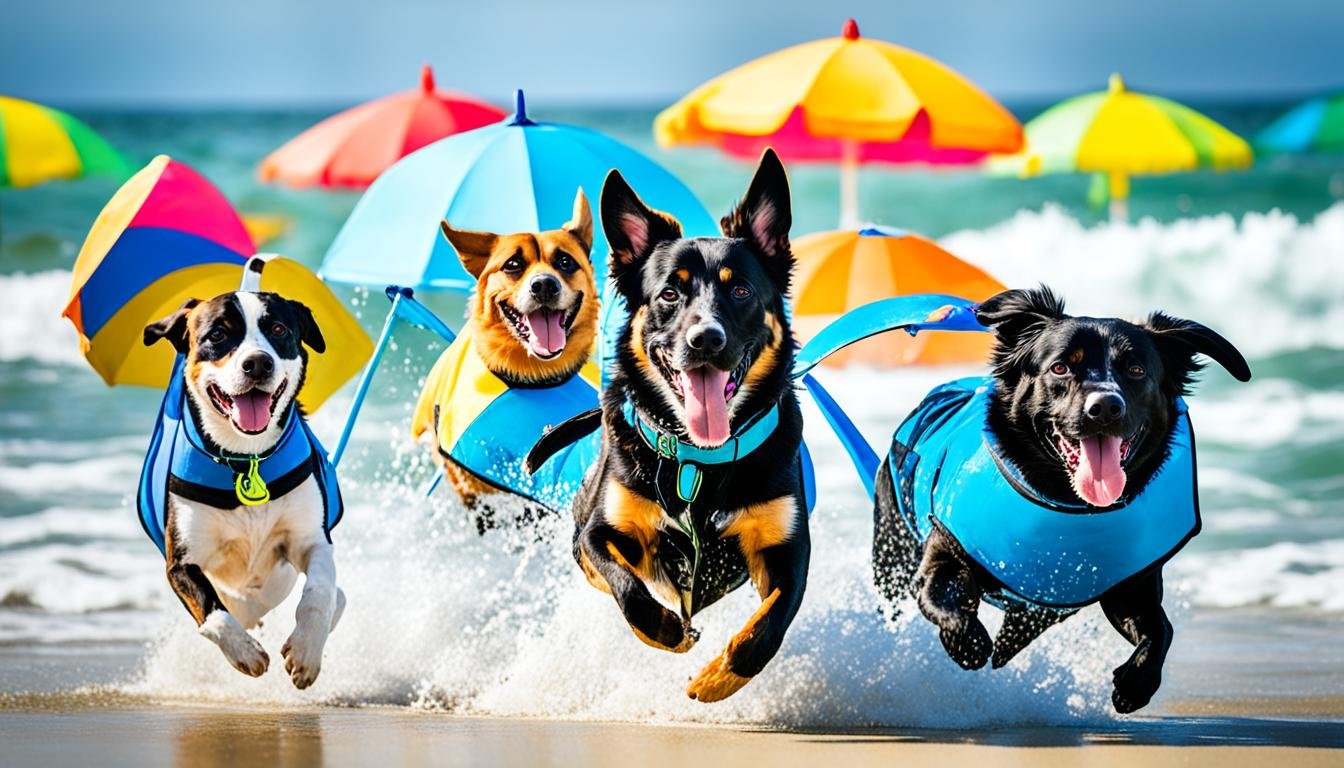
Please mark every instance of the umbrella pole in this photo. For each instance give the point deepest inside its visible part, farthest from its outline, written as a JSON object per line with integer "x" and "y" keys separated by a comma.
{"x": 849, "y": 184}
{"x": 1119, "y": 205}
{"x": 365, "y": 380}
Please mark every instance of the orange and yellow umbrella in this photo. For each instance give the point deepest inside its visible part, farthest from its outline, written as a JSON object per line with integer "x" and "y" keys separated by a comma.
{"x": 39, "y": 144}
{"x": 840, "y": 270}
{"x": 848, "y": 99}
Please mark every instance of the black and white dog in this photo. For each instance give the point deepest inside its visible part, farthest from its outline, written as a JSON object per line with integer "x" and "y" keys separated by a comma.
{"x": 248, "y": 499}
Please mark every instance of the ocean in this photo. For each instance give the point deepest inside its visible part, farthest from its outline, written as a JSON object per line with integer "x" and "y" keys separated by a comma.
{"x": 441, "y": 618}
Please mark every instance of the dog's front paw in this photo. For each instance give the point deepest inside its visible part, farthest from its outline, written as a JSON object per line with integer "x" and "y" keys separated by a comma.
{"x": 970, "y": 646}
{"x": 1135, "y": 682}
{"x": 716, "y": 681}
{"x": 303, "y": 657}
{"x": 241, "y": 649}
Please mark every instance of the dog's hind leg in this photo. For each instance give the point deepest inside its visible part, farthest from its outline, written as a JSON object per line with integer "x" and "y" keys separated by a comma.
{"x": 314, "y": 617}
{"x": 949, "y": 597}
{"x": 1134, "y": 608}
{"x": 774, "y": 539}
{"x": 1021, "y": 625}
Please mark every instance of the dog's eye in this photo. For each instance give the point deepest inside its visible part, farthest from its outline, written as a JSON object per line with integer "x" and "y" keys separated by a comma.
{"x": 514, "y": 264}
{"x": 566, "y": 263}
{"x": 741, "y": 292}
{"x": 669, "y": 295}
{"x": 1060, "y": 369}
{"x": 215, "y": 336}
{"x": 1136, "y": 371}
{"x": 278, "y": 329}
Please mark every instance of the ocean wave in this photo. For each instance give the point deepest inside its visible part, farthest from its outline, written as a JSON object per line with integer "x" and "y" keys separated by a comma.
{"x": 33, "y": 327}
{"x": 1268, "y": 282}
{"x": 1282, "y": 575}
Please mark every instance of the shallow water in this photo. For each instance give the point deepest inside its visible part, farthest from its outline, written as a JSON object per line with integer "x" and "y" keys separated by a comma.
{"x": 504, "y": 624}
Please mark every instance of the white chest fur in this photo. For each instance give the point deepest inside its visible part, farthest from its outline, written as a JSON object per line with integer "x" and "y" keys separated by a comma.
{"x": 240, "y": 549}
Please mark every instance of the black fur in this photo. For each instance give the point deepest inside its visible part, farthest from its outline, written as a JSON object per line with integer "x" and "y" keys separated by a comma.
{"x": 1045, "y": 365}
{"x": 673, "y": 286}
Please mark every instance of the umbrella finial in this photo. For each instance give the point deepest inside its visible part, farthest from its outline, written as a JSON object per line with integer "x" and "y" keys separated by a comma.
{"x": 426, "y": 78}
{"x": 1117, "y": 83}
{"x": 520, "y": 109}
{"x": 851, "y": 30}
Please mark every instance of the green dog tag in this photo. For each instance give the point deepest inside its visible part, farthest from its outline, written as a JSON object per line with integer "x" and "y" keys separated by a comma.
{"x": 250, "y": 487}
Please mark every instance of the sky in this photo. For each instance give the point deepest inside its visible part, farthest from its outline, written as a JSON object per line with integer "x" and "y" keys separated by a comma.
{"x": 309, "y": 52}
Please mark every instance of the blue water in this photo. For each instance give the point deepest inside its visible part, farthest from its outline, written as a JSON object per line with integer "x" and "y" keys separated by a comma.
{"x": 442, "y": 618}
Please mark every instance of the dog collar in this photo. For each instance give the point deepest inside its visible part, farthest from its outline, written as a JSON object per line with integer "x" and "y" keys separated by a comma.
{"x": 692, "y": 458}
{"x": 249, "y": 486}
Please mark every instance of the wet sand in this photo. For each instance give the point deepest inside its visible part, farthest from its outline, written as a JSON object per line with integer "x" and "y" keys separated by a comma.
{"x": 101, "y": 729}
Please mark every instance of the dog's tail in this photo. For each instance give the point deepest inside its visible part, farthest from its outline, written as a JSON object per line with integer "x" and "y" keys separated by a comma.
{"x": 562, "y": 435}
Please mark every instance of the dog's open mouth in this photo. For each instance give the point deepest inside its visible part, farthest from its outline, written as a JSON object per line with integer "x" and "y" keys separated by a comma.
{"x": 543, "y": 331}
{"x": 705, "y": 393}
{"x": 251, "y": 411}
{"x": 1096, "y": 465}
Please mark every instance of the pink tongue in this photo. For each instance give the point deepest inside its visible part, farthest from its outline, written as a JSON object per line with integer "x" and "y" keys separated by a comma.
{"x": 706, "y": 405}
{"x": 252, "y": 411}
{"x": 1100, "y": 479}
{"x": 548, "y": 335}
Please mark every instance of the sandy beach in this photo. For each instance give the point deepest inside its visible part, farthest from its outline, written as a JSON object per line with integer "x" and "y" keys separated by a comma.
{"x": 84, "y": 730}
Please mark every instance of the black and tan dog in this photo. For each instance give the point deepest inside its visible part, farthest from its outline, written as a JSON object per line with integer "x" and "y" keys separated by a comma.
{"x": 1066, "y": 479}
{"x": 698, "y": 485}
{"x": 246, "y": 495}
{"x": 531, "y": 328}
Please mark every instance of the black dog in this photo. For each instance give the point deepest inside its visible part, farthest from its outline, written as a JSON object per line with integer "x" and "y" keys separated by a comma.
{"x": 698, "y": 485}
{"x": 1079, "y": 409}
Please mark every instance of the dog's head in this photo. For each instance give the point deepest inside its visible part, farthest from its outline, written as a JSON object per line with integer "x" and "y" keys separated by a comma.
{"x": 708, "y": 343}
{"x": 245, "y": 363}
{"x": 534, "y": 312}
{"x": 1088, "y": 404}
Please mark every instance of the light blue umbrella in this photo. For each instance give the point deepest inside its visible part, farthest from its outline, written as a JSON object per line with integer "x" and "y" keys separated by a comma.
{"x": 1314, "y": 125}
{"x": 514, "y": 176}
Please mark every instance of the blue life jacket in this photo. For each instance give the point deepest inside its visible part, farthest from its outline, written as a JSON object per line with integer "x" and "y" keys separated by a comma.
{"x": 949, "y": 472}
{"x": 179, "y": 461}
{"x": 487, "y": 426}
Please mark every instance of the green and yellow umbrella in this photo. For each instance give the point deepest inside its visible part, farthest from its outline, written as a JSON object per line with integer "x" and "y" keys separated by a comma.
{"x": 39, "y": 144}
{"x": 1121, "y": 133}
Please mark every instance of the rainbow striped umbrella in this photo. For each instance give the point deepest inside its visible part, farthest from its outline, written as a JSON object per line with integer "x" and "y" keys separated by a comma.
{"x": 38, "y": 144}
{"x": 1121, "y": 133}
{"x": 1315, "y": 125}
{"x": 169, "y": 235}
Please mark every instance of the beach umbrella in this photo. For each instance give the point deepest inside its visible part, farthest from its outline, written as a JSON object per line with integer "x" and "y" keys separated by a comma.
{"x": 515, "y": 176}
{"x": 350, "y": 149}
{"x": 844, "y": 269}
{"x": 1315, "y": 125}
{"x": 844, "y": 99}
{"x": 1121, "y": 133}
{"x": 40, "y": 144}
{"x": 169, "y": 235}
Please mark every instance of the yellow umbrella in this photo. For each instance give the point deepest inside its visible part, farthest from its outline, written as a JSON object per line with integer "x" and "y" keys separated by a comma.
{"x": 1121, "y": 133}
{"x": 840, "y": 270}
{"x": 38, "y": 144}
{"x": 844, "y": 98}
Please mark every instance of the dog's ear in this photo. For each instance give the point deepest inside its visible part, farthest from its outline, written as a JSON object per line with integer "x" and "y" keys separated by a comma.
{"x": 309, "y": 333}
{"x": 1178, "y": 341}
{"x": 173, "y": 328}
{"x": 764, "y": 215}
{"x": 580, "y": 223}
{"x": 633, "y": 230}
{"x": 473, "y": 248}
{"x": 1018, "y": 313}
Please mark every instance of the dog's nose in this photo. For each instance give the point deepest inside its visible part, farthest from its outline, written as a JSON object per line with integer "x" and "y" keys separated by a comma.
{"x": 544, "y": 288}
{"x": 1104, "y": 407}
{"x": 258, "y": 365}
{"x": 707, "y": 337}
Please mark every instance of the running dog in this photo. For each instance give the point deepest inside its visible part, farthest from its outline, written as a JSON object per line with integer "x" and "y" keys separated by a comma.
{"x": 515, "y": 368}
{"x": 698, "y": 486}
{"x": 1067, "y": 478}
{"x": 247, "y": 496}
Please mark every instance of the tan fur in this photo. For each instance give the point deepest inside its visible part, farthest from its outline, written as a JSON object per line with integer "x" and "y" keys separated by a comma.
{"x": 759, "y": 527}
{"x": 640, "y": 518}
{"x": 765, "y": 362}
{"x": 717, "y": 681}
{"x": 725, "y": 274}
{"x": 1076, "y": 356}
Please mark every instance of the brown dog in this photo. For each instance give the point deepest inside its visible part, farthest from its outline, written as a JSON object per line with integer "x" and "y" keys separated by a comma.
{"x": 531, "y": 324}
